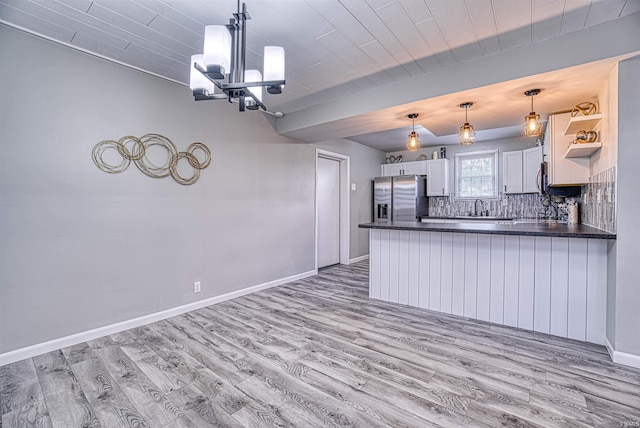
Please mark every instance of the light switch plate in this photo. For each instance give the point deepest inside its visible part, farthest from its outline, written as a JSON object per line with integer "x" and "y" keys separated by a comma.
{"x": 353, "y": 186}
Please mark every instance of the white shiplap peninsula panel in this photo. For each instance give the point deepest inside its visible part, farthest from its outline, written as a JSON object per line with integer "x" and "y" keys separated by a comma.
{"x": 546, "y": 284}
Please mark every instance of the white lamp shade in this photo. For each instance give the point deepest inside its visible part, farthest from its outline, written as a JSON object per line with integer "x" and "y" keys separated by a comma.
{"x": 197, "y": 79}
{"x": 273, "y": 63}
{"x": 217, "y": 46}
{"x": 253, "y": 76}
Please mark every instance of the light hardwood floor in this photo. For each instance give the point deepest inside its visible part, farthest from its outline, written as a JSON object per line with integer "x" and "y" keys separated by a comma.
{"x": 318, "y": 352}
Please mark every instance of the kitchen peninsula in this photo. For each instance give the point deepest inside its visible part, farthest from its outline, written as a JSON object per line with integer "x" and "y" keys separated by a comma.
{"x": 546, "y": 277}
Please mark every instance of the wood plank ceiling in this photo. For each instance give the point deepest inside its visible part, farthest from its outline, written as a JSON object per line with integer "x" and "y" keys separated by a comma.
{"x": 333, "y": 47}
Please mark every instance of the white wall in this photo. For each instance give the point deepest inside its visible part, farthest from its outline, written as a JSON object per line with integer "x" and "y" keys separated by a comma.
{"x": 607, "y": 129}
{"x": 82, "y": 249}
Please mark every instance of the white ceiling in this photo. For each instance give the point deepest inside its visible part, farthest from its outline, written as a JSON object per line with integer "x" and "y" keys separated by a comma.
{"x": 335, "y": 48}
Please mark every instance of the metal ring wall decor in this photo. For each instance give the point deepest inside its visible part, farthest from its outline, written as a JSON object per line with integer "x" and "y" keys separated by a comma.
{"x": 584, "y": 109}
{"x": 136, "y": 149}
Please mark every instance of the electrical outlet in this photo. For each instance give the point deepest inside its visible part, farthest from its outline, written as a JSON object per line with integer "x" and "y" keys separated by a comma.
{"x": 598, "y": 196}
{"x": 610, "y": 196}
{"x": 441, "y": 202}
{"x": 353, "y": 186}
{"x": 196, "y": 287}
{"x": 505, "y": 202}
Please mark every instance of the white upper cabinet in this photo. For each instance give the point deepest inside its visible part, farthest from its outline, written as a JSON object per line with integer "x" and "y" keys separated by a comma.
{"x": 404, "y": 168}
{"x": 391, "y": 169}
{"x": 438, "y": 177}
{"x": 531, "y": 160}
{"x": 512, "y": 171}
{"x": 417, "y": 167}
{"x": 563, "y": 171}
{"x": 520, "y": 170}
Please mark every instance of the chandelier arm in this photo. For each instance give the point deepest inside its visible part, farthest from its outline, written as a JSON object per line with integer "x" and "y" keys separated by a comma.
{"x": 257, "y": 101}
{"x": 241, "y": 85}
{"x": 204, "y": 73}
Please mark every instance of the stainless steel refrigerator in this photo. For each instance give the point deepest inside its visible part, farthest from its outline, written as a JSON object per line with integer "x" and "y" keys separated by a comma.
{"x": 401, "y": 198}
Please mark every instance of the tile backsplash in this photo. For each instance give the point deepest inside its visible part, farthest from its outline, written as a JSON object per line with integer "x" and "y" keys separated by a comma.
{"x": 516, "y": 206}
{"x": 599, "y": 201}
{"x": 597, "y": 204}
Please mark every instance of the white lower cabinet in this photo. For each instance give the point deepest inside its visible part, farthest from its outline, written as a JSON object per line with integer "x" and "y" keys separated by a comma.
{"x": 552, "y": 285}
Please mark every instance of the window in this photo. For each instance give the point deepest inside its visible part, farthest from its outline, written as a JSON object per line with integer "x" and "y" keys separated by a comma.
{"x": 477, "y": 175}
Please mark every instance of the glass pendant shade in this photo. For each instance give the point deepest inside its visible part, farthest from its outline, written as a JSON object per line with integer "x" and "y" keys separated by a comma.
{"x": 217, "y": 50}
{"x": 413, "y": 144}
{"x": 274, "y": 67}
{"x": 467, "y": 134}
{"x": 253, "y": 76}
{"x": 532, "y": 125}
{"x": 197, "y": 79}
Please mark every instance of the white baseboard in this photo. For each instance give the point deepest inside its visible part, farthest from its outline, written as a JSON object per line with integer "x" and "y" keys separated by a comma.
{"x": 618, "y": 357}
{"x": 358, "y": 259}
{"x": 74, "y": 339}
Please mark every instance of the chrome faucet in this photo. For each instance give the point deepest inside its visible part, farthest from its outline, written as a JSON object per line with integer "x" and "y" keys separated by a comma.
{"x": 475, "y": 207}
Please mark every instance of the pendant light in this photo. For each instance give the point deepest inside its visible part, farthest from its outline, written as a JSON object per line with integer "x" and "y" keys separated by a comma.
{"x": 467, "y": 133}
{"x": 413, "y": 143}
{"x": 532, "y": 124}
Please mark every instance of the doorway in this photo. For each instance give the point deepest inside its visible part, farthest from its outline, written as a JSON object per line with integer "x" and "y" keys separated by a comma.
{"x": 332, "y": 208}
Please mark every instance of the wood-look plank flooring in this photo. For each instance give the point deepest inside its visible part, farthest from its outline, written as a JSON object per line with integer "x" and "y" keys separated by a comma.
{"x": 319, "y": 353}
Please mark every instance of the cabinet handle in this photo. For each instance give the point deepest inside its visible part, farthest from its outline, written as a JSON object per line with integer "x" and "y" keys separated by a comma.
{"x": 443, "y": 191}
{"x": 538, "y": 180}
{"x": 505, "y": 188}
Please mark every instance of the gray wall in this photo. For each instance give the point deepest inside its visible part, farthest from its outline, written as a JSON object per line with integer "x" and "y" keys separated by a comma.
{"x": 502, "y": 145}
{"x": 81, "y": 249}
{"x": 365, "y": 165}
{"x": 627, "y": 295}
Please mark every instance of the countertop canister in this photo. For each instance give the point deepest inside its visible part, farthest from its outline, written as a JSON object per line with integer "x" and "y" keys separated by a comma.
{"x": 573, "y": 214}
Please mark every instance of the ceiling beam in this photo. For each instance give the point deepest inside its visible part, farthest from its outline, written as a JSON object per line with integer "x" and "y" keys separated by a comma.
{"x": 346, "y": 116}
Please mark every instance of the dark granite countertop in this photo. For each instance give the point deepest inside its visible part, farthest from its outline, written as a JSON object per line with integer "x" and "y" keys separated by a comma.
{"x": 524, "y": 229}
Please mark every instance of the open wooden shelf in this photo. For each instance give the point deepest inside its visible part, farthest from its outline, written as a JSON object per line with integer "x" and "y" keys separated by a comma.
{"x": 582, "y": 150}
{"x": 582, "y": 123}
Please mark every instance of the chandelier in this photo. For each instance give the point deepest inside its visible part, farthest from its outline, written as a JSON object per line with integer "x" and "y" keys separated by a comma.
{"x": 219, "y": 72}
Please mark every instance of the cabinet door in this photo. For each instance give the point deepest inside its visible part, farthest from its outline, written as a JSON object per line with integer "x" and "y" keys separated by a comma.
{"x": 392, "y": 169}
{"x": 417, "y": 167}
{"x": 438, "y": 177}
{"x": 512, "y": 171}
{"x": 531, "y": 159}
{"x": 564, "y": 171}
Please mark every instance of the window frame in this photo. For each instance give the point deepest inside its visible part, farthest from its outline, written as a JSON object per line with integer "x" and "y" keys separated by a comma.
{"x": 458, "y": 158}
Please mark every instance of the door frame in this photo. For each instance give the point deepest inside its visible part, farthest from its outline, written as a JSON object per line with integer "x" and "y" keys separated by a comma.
{"x": 345, "y": 202}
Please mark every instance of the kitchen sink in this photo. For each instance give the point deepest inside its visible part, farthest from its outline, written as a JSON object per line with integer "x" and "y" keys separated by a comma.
{"x": 534, "y": 220}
